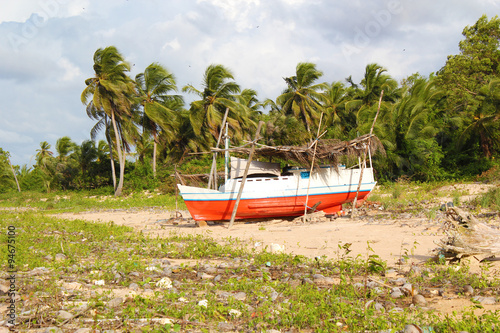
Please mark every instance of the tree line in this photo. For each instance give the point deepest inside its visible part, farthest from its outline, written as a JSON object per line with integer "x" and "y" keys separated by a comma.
{"x": 442, "y": 126}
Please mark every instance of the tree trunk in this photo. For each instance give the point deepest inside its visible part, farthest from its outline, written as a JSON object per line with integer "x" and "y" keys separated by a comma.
{"x": 110, "y": 145}
{"x": 154, "y": 157}
{"x": 14, "y": 173}
{"x": 119, "y": 188}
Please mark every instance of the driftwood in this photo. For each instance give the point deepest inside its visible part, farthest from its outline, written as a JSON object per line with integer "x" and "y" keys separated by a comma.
{"x": 467, "y": 236}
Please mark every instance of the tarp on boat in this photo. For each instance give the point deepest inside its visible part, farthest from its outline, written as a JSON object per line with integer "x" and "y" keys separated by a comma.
{"x": 238, "y": 166}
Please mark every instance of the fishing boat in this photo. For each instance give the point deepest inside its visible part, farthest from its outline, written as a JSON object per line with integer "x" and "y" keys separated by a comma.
{"x": 270, "y": 192}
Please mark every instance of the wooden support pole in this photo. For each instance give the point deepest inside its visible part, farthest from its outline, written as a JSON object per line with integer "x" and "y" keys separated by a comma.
{"x": 355, "y": 201}
{"x": 243, "y": 180}
{"x": 315, "y": 143}
{"x": 213, "y": 170}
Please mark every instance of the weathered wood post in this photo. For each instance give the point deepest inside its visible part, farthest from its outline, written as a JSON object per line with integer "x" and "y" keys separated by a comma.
{"x": 250, "y": 156}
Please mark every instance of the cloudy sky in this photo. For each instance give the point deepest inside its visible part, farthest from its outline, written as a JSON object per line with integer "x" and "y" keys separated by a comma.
{"x": 46, "y": 48}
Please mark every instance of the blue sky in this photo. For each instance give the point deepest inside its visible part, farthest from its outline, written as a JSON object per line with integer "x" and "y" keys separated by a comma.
{"x": 46, "y": 48}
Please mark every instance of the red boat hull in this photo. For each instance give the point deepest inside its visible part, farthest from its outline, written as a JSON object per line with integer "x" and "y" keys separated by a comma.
{"x": 217, "y": 210}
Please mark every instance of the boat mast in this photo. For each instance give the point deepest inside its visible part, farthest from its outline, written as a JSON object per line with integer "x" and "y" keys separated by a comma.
{"x": 226, "y": 154}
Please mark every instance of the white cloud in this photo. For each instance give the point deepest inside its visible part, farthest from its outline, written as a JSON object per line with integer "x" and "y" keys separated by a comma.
{"x": 70, "y": 70}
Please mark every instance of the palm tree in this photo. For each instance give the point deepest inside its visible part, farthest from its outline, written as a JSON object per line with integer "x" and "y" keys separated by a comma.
{"x": 217, "y": 94}
{"x": 408, "y": 128}
{"x": 485, "y": 120}
{"x": 64, "y": 146}
{"x": 45, "y": 163}
{"x": 339, "y": 122}
{"x": 302, "y": 98}
{"x": 112, "y": 92}
{"x": 160, "y": 108}
{"x": 363, "y": 100}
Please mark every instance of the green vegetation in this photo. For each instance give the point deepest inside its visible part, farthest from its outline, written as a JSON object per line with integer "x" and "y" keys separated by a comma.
{"x": 280, "y": 291}
{"x": 441, "y": 127}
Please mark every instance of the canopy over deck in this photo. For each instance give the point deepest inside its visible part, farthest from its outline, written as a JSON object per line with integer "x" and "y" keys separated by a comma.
{"x": 328, "y": 151}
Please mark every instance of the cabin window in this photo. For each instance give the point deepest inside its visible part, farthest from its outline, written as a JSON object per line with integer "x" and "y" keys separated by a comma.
{"x": 304, "y": 174}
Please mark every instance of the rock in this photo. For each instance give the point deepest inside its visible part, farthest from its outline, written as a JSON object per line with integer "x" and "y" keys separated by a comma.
{"x": 201, "y": 224}
{"x": 379, "y": 307}
{"x": 205, "y": 276}
{"x": 400, "y": 281}
{"x": 240, "y": 296}
{"x": 64, "y": 315}
{"x": 83, "y": 330}
{"x": 134, "y": 286}
{"x": 407, "y": 288}
{"x": 235, "y": 313}
{"x": 48, "y": 257}
{"x": 115, "y": 302}
{"x": 218, "y": 278}
{"x": 412, "y": 329}
{"x": 4, "y": 288}
{"x": 60, "y": 257}
{"x": 209, "y": 269}
{"x": 225, "y": 327}
{"x": 468, "y": 290}
{"x": 164, "y": 283}
{"x": 396, "y": 293}
{"x": 419, "y": 300}
{"x": 484, "y": 300}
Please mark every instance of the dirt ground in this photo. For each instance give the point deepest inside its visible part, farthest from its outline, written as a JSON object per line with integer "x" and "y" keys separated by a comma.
{"x": 372, "y": 232}
{"x": 389, "y": 239}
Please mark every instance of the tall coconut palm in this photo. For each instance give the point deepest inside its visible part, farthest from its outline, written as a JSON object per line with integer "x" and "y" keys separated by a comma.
{"x": 103, "y": 122}
{"x": 339, "y": 122}
{"x": 112, "y": 92}
{"x": 303, "y": 96}
{"x": 160, "y": 107}
{"x": 408, "y": 127}
{"x": 364, "y": 97}
{"x": 44, "y": 162}
{"x": 218, "y": 93}
{"x": 484, "y": 123}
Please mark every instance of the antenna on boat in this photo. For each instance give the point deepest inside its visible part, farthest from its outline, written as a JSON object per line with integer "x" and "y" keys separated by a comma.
{"x": 353, "y": 211}
{"x": 213, "y": 170}
{"x": 315, "y": 143}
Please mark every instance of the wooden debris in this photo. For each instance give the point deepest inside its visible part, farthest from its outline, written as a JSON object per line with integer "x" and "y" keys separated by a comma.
{"x": 467, "y": 236}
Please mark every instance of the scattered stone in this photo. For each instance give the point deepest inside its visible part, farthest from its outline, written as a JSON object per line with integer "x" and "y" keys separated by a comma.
{"x": 396, "y": 293}
{"x": 379, "y": 307}
{"x": 60, "y": 257}
{"x": 48, "y": 257}
{"x": 201, "y": 224}
{"x": 98, "y": 282}
{"x": 412, "y": 329}
{"x": 64, "y": 315}
{"x": 134, "y": 286}
{"x": 235, "y": 313}
{"x": 164, "y": 283}
{"x": 468, "y": 290}
{"x": 484, "y": 300}
{"x": 83, "y": 330}
{"x": 407, "y": 288}
{"x": 240, "y": 296}
{"x": 225, "y": 326}
{"x": 419, "y": 300}
{"x": 115, "y": 302}
{"x": 218, "y": 278}
{"x": 205, "y": 276}
{"x": 400, "y": 281}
